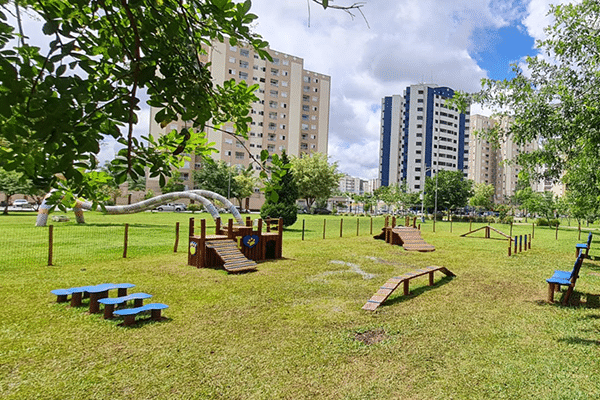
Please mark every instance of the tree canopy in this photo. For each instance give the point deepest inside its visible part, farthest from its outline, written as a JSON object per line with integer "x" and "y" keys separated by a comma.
{"x": 452, "y": 191}
{"x": 315, "y": 177}
{"x": 57, "y": 106}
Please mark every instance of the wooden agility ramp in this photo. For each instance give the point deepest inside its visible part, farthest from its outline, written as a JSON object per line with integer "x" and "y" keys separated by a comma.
{"x": 230, "y": 255}
{"x": 392, "y": 284}
{"x": 409, "y": 238}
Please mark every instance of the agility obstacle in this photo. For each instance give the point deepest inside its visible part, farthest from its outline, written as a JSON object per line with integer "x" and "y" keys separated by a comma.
{"x": 201, "y": 196}
{"x": 518, "y": 240}
{"x": 392, "y": 284}
{"x": 407, "y": 237}
{"x": 234, "y": 248}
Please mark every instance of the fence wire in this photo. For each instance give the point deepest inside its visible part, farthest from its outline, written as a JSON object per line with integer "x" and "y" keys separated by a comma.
{"x": 72, "y": 244}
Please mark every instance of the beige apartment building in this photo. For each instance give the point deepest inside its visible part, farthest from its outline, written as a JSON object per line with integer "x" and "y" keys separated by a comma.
{"x": 291, "y": 114}
{"x": 494, "y": 164}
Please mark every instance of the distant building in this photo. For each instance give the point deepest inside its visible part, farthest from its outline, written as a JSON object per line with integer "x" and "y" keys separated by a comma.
{"x": 494, "y": 164}
{"x": 291, "y": 114}
{"x": 349, "y": 184}
{"x": 421, "y": 135}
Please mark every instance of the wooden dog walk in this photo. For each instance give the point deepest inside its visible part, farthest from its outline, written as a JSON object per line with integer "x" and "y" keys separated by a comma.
{"x": 392, "y": 284}
{"x": 230, "y": 256}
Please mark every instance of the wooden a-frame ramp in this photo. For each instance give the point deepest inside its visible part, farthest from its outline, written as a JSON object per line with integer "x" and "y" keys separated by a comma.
{"x": 230, "y": 255}
{"x": 392, "y": 284}
{"x": 487, "y": 232}
{"x": 409, "y": 238}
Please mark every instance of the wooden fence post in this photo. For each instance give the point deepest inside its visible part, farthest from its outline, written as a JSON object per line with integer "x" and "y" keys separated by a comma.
{"x": 470, "y": 223}
{"x": 450, "y": 217}
{"x": 357, "y": 226}
{"x": 176, "y": 237}
{"x": 303, "y": 221}
{"x": 529, "y": 242}
{"x": 520, "y": 243}
{"x": 125, "y": 240}
{"x": 511, "y": 224}
{"x": 516, "y": 244}
{"x": 533, "y": 230}
{"x": 509, "y": 246}
{"x": 371, "y": 226}
{"x": 324, "y": 226}
{"x": 341, "y": 226}
{"x": 556, "y": 234}
{"x": 50, "y": 243}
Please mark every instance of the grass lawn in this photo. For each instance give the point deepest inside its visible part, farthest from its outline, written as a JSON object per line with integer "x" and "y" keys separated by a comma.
{"x": 294, "y": 329}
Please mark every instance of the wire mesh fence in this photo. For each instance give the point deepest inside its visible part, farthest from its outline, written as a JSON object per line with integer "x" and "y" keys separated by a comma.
{"x": 71, "y": 244}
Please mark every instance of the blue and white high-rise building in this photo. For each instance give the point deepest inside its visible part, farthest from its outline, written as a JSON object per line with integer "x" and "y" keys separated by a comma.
{"x": 421, "y": 135}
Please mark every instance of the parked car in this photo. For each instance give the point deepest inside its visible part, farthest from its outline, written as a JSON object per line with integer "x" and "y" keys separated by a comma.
{"x": 21, "y": 203}
{"x": 323, "y": 211}
{"x": 177, "y": 207}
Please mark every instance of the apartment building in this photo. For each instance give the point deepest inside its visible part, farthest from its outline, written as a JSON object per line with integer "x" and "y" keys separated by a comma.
{"x": 352, "y": 185}
{"x": 291, "y": 113}
{"x": 420, "y": 135}
{"x": 494, "y": 163}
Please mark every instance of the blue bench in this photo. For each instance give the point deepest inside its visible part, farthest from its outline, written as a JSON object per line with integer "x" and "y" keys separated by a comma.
{"x": 130, "y": 313}
{"x": 584, "y": 246}
{"x": 111, "y": 302}
{"x": 95, "y": 293}
{"x": 565, "y": 278}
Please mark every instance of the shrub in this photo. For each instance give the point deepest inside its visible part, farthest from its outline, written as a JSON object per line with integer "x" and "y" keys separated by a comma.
{"x": 554, "y": 222}
{"x": 285, "y": 211}
{"x": 194, "y": 207}
{"x": 490, "y": 219}
{"x": 507, "y": 220}
{"x": 541, "y": 222}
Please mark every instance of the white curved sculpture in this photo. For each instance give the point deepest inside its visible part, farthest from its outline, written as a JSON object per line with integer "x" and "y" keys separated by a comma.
{"x": 196, "y": 195}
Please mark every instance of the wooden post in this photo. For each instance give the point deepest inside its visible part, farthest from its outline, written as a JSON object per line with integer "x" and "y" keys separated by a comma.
{"x": 529, "y": 242}
{"x": 556, "y": 234}
{"x": 511, "y": 224}
{"x": 218, "y": 226}
{"x": 509, "y": 246}
{"x": 579, "y": 231}
{"x": 471, "y": 223}
{"x": 125, "y": 241}
{"x": 434, "y": 218}
{"x": 191, "y": 227}
{"x": 50, "y": 243}
{"x": 516, "y": 244}
{"x": 525, "y": 246}
{"x": 371, "y": 226}
{"x": 357, "y": 226}
{"x": 520, "y": 243}
{"x": 176, "y": 237}
{"x": 324, "y": 226}
{"x": 341, "y": 226}
{"x": 248, "y": 221}
{"x": 533, "y": 230}
{"x": 450, "y": 224}
{"x": 303, "y": 223}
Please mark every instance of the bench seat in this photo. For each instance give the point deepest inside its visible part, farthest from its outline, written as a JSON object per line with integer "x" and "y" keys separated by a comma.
{"x": 130, "y": 313}
{"x": 95, "y": 292}
{"x": 111, "y": 302}
{"x": 566, "y": 278}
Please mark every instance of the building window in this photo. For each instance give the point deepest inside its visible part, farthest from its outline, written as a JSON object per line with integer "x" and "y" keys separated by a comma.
{"x": 232, "y": 60}
{"x": 244, "y": 64}
{"x": 273, "y": 115}
{"x": 306, "y": 88}
{"x": 305, "y": 108}
{"x": 233, "y": 48}
{"x": 304, "y": 117}
{"x": 273, "y": 104}
{"x": 274, "y": 71}
{"x": 244, "y": 53}
{"x": 274, "y": 82}
{"x": 243, "y": 76}
{"x": 274, "y": 93}
{"x": 306, "y": 79}
{"x": 305, "y": 98}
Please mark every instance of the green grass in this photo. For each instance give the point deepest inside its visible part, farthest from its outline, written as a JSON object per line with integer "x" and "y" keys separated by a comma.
{"x": 289, "y": 329}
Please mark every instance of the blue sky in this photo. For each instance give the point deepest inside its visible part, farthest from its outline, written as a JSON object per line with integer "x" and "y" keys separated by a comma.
{"x": 498, "y": 48}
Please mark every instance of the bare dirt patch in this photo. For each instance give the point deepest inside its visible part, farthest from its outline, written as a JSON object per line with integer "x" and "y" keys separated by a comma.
{"x": 371, "y": 337}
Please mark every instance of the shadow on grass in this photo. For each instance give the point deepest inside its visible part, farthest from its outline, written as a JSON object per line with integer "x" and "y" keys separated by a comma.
{"x": 142, "y": 322}
{"x": 400, "y": 298}
{"x": 577, "y": 340}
